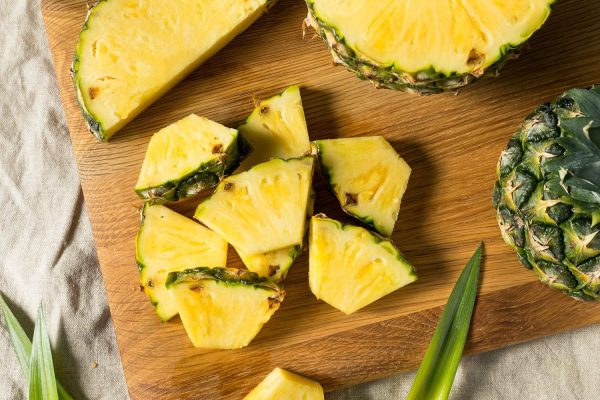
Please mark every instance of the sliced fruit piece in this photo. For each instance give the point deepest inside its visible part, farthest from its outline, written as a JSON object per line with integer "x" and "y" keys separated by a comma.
{"x": 351, "y": 267}
{"x": 425, "y": 46}
{"x": 186, "y": 157}
{"x": 263, "y": 209}
{"x": 132, "y": 52}
{"x": 367, "y": 176}
{"x": 276, "y": 129}
{"x": 276, "y": 264}
{"x": 281, "y": 384}
{"x": 167, "y": 242}
{"x": 223, "y": 308}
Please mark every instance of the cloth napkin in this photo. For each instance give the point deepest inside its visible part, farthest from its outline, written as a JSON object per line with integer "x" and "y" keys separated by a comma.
{"x": 47, "y": 255}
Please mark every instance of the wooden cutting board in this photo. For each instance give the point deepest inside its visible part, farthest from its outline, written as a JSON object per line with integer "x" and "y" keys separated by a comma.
{"x": 452, "y": 144}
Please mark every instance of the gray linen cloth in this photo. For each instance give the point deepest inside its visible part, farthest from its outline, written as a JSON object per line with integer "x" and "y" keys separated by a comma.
{"x": 47, "y": 255}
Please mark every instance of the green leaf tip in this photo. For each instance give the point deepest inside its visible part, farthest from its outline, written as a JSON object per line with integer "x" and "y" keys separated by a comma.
{"x": 22, "y": 345}
{"x": 42, "y": 382}
{"x": 437, "y": 371}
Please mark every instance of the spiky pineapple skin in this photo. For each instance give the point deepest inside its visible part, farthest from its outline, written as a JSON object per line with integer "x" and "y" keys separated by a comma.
{"x": 422, "y": 83}
{"x": 555, "y": 235}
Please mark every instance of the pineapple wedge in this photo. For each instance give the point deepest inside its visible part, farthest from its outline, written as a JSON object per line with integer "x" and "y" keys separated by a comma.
{"x": 276, "y": 129}
{"x": 368, "y": 178}
{"x": 263, "y": 209}
{"x": 276, "y": 264}
{"x": 223, "y": 308}
{"x": 167, "y": 242}
{"x": 351, "y": 267}
{"x": 132, "y": 52}
{"x": 186, "y": 157}
{"x": 281, "y": 384}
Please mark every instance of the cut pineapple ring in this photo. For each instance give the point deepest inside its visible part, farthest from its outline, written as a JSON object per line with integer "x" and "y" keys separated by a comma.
{"x": 367, "y": 176}
{"x": 263, "y": 209}
{"x": 223, "y": 308}
{"x": 186, "y": 157}
{"x": 350, "y": 267}
{"x": 276, "y": 129}
{"x": 432, "y": 37}
{"x": 167, "y": 242}
{"x": 131, "y": 52}
{"x": 281, "y": 384}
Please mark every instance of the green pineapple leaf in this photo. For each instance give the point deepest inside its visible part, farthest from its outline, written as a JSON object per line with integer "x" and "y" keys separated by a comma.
{"x": 576, "y": 173}
{"x": 42, "y": 382}
{"x": 22, "y": 345}
{"x": 436, "y": 374}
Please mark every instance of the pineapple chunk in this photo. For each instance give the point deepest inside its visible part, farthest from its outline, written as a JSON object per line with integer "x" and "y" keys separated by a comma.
{"x": 132, "y": 52}
{"x": 168, "y": 242}
{"x": 223, "y": 308}
{"x": 185, "y": 157}
{"x": 351, "y": 267}
{"x": 263, "y": 209}
{"x": 368, "y": 178}
{"x": 281, "y": 384}
{"x": 276, "y": 129}
{"x": 276, "y": 264}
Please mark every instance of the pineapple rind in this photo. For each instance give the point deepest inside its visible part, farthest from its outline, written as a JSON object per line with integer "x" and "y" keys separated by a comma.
{"x": 281, "y": 384}
{"x": 223, "y": 308}
{"x": 198, "y": 245}
{"x": 351, "y": 267}
{"x": 553, "y": 233}
{"x": 425, "y": 81}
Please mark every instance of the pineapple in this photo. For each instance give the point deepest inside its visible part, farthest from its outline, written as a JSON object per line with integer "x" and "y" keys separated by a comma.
{"x": 547, "y": 196}
{"x": 132, "y": 52}
{"x": 168, "y": 242}
{"x": 368, "y": 178}
{"x": 263, "y": 209}
{"x": 187, "y": 156}
{"x": 351, "y": 267}
{"x": 223, "y": 308}
{"x": 425, "y": 46}
{"x": 276, "y": 129}
{"x": 276, "y": 264}
{"x": 281, "y": 384}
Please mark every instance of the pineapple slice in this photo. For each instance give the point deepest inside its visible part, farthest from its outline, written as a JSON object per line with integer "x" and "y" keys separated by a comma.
{"x": 276, "y": 129}
{"x": 223, "y": 308}
{"x": 263, "y": 209}
{"x": 351, "y": 267}
{"x": 168, "y": 242}
{"x": 281, "y": 384}
{"x": 367, "y": 176}
{"x": 185, "y": 157}
{"x": 276, "y": 264}
{"x": 132, "y": 52}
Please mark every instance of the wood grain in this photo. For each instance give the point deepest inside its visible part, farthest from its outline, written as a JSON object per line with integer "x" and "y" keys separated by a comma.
{"x": 451, "y": 142}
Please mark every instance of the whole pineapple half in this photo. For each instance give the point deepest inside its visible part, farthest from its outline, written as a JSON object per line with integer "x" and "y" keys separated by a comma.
{"x": 425, "y": 47}
{"x": 547, "y": 195}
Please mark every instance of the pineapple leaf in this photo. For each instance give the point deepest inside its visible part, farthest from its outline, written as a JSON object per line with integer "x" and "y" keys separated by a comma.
{"x": 22, "y": 345}
{"x": 576, "y": 173}
{"x": 588, "y": 102}
{"x": 42, "y": 383}
{"x": 436, "y": 374}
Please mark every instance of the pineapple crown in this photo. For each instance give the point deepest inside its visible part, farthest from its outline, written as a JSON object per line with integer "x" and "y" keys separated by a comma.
{"x": 576, "y": 172}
